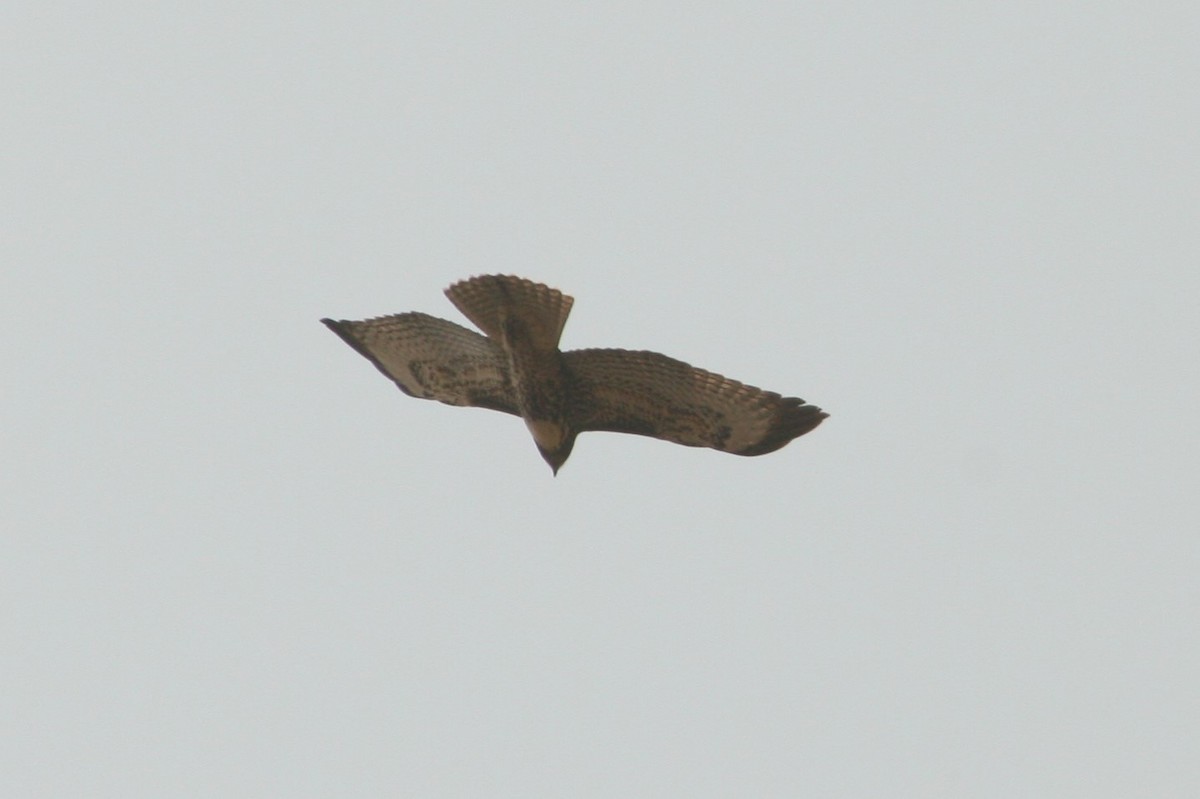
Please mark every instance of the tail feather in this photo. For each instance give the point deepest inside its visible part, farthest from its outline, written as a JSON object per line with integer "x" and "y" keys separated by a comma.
{"x": 491, "y": 300}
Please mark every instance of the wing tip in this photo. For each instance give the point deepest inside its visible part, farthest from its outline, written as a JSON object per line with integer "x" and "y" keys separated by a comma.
{"x": 345, "y": 331}
{"x": 344, "y": 328}
{"x": 796, "y": 417}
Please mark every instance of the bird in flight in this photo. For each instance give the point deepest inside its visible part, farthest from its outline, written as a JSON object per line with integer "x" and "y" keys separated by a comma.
{"x": 517, "y": 367}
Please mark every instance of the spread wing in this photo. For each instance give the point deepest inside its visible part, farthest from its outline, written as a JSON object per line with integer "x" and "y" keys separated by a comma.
{"x": 652, "y": 395}
{"x": 434, "y": 359}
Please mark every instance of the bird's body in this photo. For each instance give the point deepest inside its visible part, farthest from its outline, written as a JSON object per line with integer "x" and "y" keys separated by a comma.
{"x": 527, "y": 320}
{"x": 517, "y": 367}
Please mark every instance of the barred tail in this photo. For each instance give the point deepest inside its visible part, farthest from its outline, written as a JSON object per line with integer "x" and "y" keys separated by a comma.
{"x": 492, "y": 300}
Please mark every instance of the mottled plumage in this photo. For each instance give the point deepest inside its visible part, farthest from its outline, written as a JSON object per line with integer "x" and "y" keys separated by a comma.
{"x": 518, "y": 368}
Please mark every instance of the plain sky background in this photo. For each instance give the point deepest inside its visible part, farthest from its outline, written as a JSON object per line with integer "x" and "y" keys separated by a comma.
{"x": 236, "y": 561}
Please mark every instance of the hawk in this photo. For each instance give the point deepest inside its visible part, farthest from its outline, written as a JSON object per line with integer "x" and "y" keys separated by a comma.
{"x": 516, "y": 367}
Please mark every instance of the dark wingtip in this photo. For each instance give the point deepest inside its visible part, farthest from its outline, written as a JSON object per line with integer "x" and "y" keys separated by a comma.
{"x": 342, "y": 328}
{"x": 795, "y": 418}
{"x": 338, "y": 326}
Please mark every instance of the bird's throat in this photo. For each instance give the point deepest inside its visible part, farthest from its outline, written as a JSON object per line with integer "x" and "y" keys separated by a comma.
{"x": 548, "y": 435}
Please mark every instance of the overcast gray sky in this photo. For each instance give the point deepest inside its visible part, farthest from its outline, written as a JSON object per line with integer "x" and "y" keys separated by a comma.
{"x": 236, "y": 561}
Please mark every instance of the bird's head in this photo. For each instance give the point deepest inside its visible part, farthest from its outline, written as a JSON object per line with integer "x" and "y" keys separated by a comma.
{"x": 554, "y": 440}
